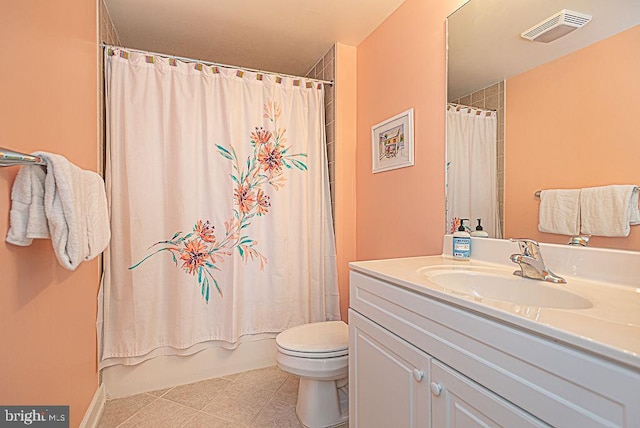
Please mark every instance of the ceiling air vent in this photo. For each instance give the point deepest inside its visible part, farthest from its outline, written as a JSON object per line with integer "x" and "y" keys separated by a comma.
{"x": 556, "y": 26}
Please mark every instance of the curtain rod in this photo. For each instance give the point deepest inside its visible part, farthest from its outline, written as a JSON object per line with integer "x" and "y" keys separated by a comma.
{"x": 477, "y": 109}
{"x": 214, "y": 64}
{"x": 461, "y": 106}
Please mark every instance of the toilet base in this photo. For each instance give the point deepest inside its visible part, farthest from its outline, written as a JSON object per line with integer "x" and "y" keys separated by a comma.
{"x": 319, "y": 405}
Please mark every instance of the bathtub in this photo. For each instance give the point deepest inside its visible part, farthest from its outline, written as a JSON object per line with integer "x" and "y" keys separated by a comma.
{"x": 166, "y": 371}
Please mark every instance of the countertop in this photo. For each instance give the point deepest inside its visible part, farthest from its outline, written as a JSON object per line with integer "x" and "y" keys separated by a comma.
{"x": 609, "y": 329}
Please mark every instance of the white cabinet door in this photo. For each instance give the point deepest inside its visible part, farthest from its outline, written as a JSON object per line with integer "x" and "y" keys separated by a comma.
{"x": 461, "y": 403}
{"x": 388, "y": 378}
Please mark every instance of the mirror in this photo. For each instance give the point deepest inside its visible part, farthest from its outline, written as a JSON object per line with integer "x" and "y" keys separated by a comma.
{"x": 570, "y": 118}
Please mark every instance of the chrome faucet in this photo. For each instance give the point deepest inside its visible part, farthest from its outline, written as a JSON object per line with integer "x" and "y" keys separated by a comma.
{"x": 580, "y": 240}
{"x": 531, "y": 264}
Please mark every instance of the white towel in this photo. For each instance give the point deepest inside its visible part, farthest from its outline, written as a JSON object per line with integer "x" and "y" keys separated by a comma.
{"x": 609, "y": 210}
{"x": 634, "y": 208}
{"x": 27, "y": 218}
{"x": 560, "y": 211}
{"x": 74, "y": 204}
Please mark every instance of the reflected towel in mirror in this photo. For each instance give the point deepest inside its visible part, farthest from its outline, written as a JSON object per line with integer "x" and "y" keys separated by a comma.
{"x": 560, "y": 211}
{"x": 609, "y": 210}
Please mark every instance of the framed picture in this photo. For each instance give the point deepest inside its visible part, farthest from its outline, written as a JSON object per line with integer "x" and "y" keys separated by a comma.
{"x": 392, "y": 142}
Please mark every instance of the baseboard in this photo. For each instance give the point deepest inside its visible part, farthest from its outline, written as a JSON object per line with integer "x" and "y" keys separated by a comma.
{"x": 96, "y": 407}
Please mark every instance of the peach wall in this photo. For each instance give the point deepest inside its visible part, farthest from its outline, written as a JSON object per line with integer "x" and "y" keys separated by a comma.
{"x": 345, "y": 192}
{"x": 573, "y": 123}
{"x": 402, "y": 65}
{"x": 48, "y": 102}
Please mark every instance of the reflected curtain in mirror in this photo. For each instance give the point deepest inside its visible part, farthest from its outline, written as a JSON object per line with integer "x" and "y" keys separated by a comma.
{"x": 471, "y": 168}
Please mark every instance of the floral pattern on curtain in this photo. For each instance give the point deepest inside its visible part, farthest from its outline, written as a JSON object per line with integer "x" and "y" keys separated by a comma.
{"x": 200, "y": 251}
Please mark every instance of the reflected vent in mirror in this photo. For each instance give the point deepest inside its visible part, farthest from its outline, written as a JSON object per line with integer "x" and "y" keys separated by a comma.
{"x": 556, "y": 26}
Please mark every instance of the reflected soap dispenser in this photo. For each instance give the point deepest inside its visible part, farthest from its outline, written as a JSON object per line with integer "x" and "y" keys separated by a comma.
{"x": 462, "y": 242}
{"x": 479, "y": 232}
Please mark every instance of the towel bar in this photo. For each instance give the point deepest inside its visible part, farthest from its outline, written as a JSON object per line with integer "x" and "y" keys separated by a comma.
{"x": 537, "y": 194}
{"x": 11, "y": 158}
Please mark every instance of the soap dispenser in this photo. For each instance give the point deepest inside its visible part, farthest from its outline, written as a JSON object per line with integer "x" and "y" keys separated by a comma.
{"x": 479, "y": 232}
{"x": 462, "y": 242}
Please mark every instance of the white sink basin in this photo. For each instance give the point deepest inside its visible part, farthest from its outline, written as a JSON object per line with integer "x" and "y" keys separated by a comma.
{"x": 485, "y": 284}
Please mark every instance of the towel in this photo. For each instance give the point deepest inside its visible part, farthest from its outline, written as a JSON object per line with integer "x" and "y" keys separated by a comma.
{"x": 560, "y": 211}
{"x": 609, "y": 210}
{"x": 634, "y": 207}
{"x": 26, "y": 217}
{"x": 66, "y": 204}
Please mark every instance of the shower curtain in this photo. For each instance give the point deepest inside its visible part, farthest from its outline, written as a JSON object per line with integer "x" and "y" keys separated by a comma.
{"x": 220, "y": 208}
{"x": 472, "y": 190}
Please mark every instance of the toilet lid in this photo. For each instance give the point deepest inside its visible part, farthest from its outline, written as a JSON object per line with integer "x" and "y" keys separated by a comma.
{"x": 320, "y": 337}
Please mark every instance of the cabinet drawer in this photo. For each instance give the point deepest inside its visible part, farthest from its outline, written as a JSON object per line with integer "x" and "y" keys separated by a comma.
{"x": 562, "y": 386}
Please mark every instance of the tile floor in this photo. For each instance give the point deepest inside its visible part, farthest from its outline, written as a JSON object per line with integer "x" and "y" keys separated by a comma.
{"x": 257, "y": 398}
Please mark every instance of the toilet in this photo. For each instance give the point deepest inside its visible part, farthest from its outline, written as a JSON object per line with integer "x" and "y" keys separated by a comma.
{"x": 319, "y": 354}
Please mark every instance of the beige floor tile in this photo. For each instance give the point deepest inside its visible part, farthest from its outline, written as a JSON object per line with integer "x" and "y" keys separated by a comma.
{"x": 160, "y": 392}
{"x": 161, "y": 414}
{"x": 269, "y": 378}
{"x": 279, "y": 412}
{"x": 233, "y": 376}
{"x": 119, "y": 410}
{"x": 290, "y": 386}
{"x": 199, "y": 394}
{"x": 240, "y": 403}
{"x": 203, "y": 420}
{"x": 254, "y": 399}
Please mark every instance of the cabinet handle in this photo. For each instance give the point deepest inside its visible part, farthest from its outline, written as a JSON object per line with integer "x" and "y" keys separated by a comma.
{"x": 418, "y": 375}
{"x": 436, "y": 388}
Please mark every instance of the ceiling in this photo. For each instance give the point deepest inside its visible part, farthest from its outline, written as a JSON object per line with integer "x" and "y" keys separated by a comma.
{"x": 485, "y": 47}
{"x": 285, "y": 36}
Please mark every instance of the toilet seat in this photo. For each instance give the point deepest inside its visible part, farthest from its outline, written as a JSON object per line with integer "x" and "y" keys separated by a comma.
{"x": 322, "y": 355}
{"x": 328, "y": 339}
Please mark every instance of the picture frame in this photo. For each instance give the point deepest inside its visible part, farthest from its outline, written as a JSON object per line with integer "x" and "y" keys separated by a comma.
{"x": 392, "y": 142}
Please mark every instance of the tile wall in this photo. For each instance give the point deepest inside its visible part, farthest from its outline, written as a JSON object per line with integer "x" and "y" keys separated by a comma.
{"x": 324, "y": 69}
{"x": 108, "y": 35}
{"x": 492, "y": 98}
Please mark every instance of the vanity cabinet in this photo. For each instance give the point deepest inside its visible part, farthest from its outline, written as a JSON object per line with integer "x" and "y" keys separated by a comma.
{"x": 419, "y": 360}
{"x": 397, "y": 385}
{"x": 388, "y": 375}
